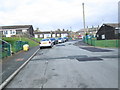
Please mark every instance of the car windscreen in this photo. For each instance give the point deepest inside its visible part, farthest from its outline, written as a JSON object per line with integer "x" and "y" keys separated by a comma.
{"x": 52, "y": 39}
{"x": 45, "y": 40}
{"x": 65, "y": 37}
{"x": 59, "y": 38}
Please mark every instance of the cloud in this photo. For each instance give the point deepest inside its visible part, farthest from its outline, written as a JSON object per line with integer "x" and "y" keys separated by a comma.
{"x": 57, "y": 13}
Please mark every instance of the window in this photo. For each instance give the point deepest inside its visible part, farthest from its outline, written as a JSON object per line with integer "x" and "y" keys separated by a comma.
{"x": 97, "y": 35}
{"x": 10, "y": 31}
{"x": 19, "y": 32}
{"x": 117, "y": 31}
{"x": 41, "y": 35}
{"x": 5, "y": 32}
{"x": 24, "y": 30}
{"x": 13, "y": 32}
{"x": 103, "y": 36}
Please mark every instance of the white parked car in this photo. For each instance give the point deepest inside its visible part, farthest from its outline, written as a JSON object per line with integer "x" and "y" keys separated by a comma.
{"x": 46, "y": 43}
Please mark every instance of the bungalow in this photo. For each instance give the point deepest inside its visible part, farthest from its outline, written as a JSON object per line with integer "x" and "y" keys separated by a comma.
{"x": 9, "y": 31}
{"x": 50, "y": 34}
{"x": 108, "y": 31}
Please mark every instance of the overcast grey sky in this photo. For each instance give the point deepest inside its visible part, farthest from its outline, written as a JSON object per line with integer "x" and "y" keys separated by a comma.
{"x": 54, "y": 14}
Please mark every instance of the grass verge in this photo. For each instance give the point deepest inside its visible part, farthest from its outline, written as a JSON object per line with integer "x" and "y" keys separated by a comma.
{"x": 12, "y": 40}
{"x": 115, "y": 43}
{"x": 37, "y": 39}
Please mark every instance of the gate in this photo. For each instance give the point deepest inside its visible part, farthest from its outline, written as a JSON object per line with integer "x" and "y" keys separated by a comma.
{"x": 5, "y": 49}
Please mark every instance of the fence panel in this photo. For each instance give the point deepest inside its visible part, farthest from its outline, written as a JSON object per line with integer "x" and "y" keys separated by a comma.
{"x": 93, "y": 41}
{"x": 5, "y": 49}
{"x": 18, "y": 45}
{"x": 101, "y": 43}
{"x": 0, "y": 50}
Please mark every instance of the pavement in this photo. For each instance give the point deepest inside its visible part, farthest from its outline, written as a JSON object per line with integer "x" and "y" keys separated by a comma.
{"x": 12, "y": 63}
{"x": 69, "y": 65}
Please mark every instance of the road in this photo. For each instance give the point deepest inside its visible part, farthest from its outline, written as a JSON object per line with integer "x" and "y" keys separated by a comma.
{"x": 70, "y": 66}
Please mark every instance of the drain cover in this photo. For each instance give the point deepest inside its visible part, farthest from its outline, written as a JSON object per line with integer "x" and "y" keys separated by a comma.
{"x": 69, "y": 43}
{"x": 89, "y": 59}
{"x": 60, "y": 45}
{"x": 93, "y": 49}
{"x": 77, "y": 56}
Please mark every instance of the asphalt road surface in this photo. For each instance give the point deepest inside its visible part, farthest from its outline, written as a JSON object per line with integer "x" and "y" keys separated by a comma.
{"x": 12, "y": 63}
{"x": 70, "y": 66}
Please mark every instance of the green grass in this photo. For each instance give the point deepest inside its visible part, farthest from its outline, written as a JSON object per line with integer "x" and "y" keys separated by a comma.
{"x": 12, "y": 40}
{"x": 104, "y": 43}
{"x": 37, "y": 39}
{"x": 107, "y": 43}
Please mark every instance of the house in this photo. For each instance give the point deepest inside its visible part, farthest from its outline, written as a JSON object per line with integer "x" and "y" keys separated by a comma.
{"x": 80, "y": 33}
{"x": 51, "y": 34}
{"x": 108, "y": 31}
{"x": 73, "y": 35}
{"x": 93, "y": 31}
{"x": 9, "y": 31}
{"x": 42, "y": 34}
{"x": 90, "y": 31}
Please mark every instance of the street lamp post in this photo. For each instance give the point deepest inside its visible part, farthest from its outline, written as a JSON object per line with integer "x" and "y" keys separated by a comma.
{"x": 84, "y": 17}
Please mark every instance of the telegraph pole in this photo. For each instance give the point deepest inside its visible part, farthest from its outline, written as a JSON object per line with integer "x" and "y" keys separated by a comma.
{"x": 83, "y": 17}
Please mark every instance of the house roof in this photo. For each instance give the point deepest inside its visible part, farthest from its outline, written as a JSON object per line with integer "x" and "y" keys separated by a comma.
{"x": 53, "y": 32}
{"x": 115, "y": 25}
{"x": 88, "y": 29}
{"x": 82, "y": 30}
{"x": 41, "y": 32}
{"x": 16, "y": 26}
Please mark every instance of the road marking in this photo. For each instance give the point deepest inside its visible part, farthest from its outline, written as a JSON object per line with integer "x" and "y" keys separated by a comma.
{"x": 16, "y": 72}
{"x": 45, "y": 74}
{"x": 19, "y": 59}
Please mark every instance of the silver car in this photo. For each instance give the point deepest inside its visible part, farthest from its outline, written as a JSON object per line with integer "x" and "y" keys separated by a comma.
{"x": 60, "y": 40}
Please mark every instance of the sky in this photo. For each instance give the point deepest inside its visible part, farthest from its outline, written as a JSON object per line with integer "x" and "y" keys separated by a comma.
{"x": 58, "y": 14}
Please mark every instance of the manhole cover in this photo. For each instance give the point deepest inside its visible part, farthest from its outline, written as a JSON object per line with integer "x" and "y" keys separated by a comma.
{"x": 93, "y": 49}
{"x": 39, "y": 54}
{"x": 89, "y": 59}
{"x": 69, "y": 43}
{"x": 77, "y": 56}
{"x": 60, "y": 45}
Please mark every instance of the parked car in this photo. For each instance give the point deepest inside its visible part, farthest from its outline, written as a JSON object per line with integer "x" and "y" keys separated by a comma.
{"x": 46, "y": 43}
{"x": 60, "y": 40}
{"x": 53, "y": 40}
{"x": 65, "y": 39}
{"x": 56, "y": 40}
